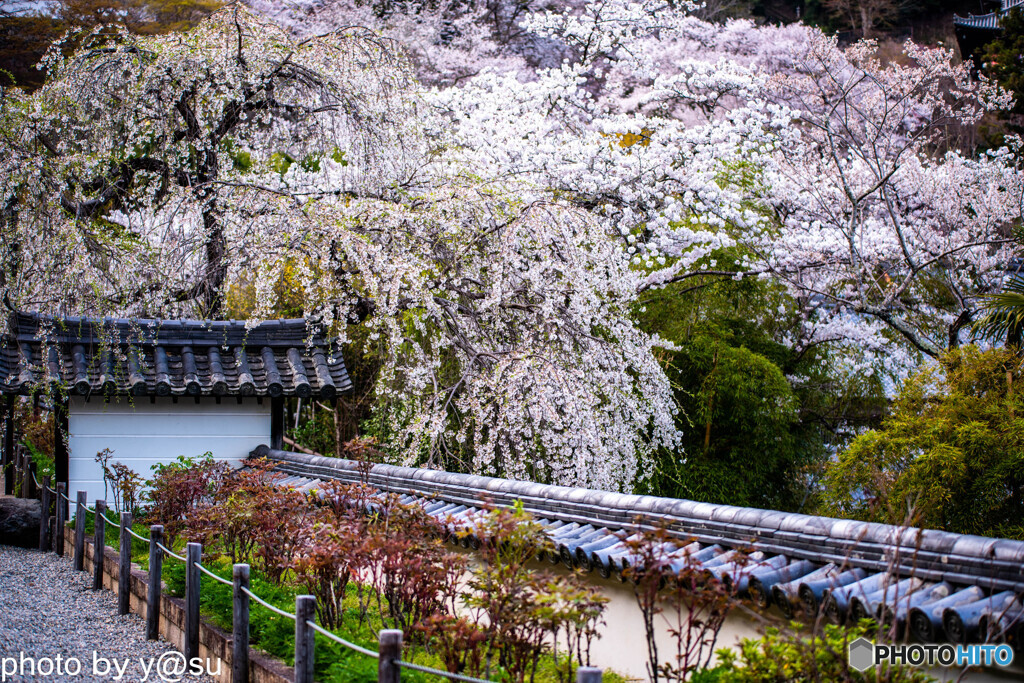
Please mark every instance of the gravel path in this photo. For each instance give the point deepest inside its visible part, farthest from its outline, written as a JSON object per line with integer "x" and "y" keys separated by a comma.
{"x": 48, "y": 610}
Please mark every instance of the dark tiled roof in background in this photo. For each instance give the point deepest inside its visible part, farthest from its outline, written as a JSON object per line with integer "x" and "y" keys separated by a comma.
{"x": 169, "y": 358}
{"x": 984, "y": 21}
{"x": 988, "y": 21}
{"x": 944, "y": 585}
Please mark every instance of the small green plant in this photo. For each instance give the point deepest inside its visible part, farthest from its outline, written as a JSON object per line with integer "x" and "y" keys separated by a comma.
{"x": 792, "y": 656}
{"x": 519, "y": 608}
{"x": 124, "y": 483}
{"x": 692, "y": 604}
{"x": 180, "y": 488}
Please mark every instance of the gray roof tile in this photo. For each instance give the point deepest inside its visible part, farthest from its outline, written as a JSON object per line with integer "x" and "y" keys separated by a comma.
{"x": 589, "y": 523}
{"x": 169, "y": 358}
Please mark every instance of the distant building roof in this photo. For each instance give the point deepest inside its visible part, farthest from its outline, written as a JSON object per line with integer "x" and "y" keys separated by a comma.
{"x": 973, "y": 32}
{"x": 935, "y": 581}
{"x": 988, "y": 21}
{"x": 106, "y": 356}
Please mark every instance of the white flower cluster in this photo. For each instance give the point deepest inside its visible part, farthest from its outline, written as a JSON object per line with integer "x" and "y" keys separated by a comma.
{"x": 497, "y": 227}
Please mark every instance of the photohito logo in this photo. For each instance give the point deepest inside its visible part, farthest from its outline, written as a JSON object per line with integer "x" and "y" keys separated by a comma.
{"x": 863, "y": 654}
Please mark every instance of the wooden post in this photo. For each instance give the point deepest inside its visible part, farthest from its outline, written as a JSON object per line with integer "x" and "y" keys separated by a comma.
{"x": 62, "y": 514}
{"x": 26, "y": 473}
{"x": 9, "y": 447}
{"x": 193, "y": 557}
{"x": 305, "y": 611}
{"x": 80, "y": 532}
{"x": 99, "y": 543}
{"x": 29, "y": 489}
{"x": 156, "y": 564}
{"x": 60, "y": 436}
{"x": 240, "y": 625}
{"x": 124, "y": 566}
{"x": 277, "y": 422}
{"x": 588, "y": 674}
{"x": 44, "y": 515}
{"x": 389, "y": 646}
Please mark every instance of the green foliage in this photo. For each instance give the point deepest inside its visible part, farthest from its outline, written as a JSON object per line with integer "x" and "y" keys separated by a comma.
{"x": 1003, "y": 318}
{"x": 317, "y": 433}
{"x": 240, "y": 159}
{"x": 741, "y": 443}
{"x": 751, "y": 436}
{"x": 950, "y": 456}
{"x": 36, "y": 430}
{"x": 280, "y": 162}
{"x": 1004, "y": 57}
{"x": 792, "y": 657}
{"x": 43, "y": 461}
{"x": 276, "y": 634}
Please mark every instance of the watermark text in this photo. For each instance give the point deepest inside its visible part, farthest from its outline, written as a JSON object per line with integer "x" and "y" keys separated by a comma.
{"x": 170, "y": 667}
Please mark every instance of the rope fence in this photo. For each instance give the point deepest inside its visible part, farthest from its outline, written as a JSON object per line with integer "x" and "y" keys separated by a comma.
{"x": 214, "y": 576}
{"x": 275, "y": 610}
{"x": 388, "y": 655}
{"x": 341, "y": 641}
{"x": 446, "y": 674}
{"x": 167, "y": 551}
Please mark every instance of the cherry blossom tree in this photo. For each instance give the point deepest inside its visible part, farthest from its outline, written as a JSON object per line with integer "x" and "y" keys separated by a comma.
{"x": 121, "y": 173}
{"x": 493, "y": 233}
{"x": 507, "y": 339}
{"x": 818, "y": 167}
{"x": 150, "y": 172}
{"x": 878, "y": 222}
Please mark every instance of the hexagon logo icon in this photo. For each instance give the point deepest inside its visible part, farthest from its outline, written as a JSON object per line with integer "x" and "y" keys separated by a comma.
{"x": 862, "y": 654}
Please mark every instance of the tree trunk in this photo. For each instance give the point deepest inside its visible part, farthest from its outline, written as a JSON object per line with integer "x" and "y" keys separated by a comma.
{"x": 215, "y": 272}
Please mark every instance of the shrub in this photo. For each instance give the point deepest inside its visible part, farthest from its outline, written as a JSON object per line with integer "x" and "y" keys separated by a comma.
{"x": 326, "y": 558}
{"x": 410, "y": 567}
{"x": 121, "y": 481}
{"x": 519, "y": 608}
{"x": 693, "y": 604}
{"x": 456, "y": 640}
{"x": 249, "y": 515}
{"x": 952, "y": 450}
{"x": 181, "y": 487}
{"x": 792, "y": 657}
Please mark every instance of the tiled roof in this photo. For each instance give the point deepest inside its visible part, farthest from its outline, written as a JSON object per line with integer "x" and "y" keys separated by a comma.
{"x": 169, "y": 358}
{"x": 988, "y": 21}
{"x": 944, "y": 585}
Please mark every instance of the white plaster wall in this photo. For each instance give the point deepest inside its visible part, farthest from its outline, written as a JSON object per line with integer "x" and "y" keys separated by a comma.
{"x": 142, "y": 433}
{"x": 622, "y": 641}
